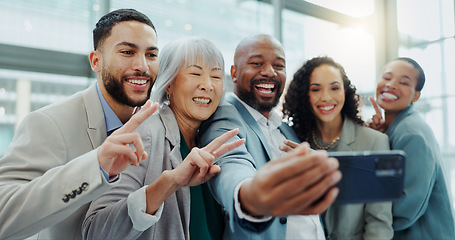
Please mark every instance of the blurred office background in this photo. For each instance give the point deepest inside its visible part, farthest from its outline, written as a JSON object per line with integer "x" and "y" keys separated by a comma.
{"x": 44, "y": 46}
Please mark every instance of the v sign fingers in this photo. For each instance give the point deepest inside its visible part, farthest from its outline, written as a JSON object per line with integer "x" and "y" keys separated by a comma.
{"x": 219, "y": 146}
{"x": 377, "y": 121}
{"x": 116, "y": 154}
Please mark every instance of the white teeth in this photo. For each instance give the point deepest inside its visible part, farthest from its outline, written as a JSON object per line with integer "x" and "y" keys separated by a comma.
{"x": 327, "y": 108}
{"x": 135, "y": 81}
{"x": 201, "y": 100}
{"x": 389, "y": 96}
{"x": 265, "y": 85}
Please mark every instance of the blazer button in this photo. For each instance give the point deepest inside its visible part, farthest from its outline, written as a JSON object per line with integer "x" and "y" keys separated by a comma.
{"x": 84, "y": 186}
{"x": 283, "y": 220}
{"x": 66, "y": 198}
{"x": 72, "y": 194}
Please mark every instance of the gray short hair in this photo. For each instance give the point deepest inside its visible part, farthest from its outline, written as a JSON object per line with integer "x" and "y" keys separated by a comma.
{"x": 179, "y": 53}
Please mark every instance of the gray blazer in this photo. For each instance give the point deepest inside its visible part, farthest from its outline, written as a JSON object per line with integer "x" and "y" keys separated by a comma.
{"x": 239, "y": 164}
{"x": 111, "y": 216}
{"x": 360, "y": 221}
{"x": 50, "y": 171}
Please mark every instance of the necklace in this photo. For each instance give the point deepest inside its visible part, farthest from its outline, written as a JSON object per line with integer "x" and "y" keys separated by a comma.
{"x": 325, "y": 147}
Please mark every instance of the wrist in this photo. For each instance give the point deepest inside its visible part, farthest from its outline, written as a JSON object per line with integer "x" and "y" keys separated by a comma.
{"x": 248, "y": 207}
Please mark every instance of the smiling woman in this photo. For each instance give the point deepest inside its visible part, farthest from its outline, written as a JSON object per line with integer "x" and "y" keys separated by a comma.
{"x": 322, "y": 106}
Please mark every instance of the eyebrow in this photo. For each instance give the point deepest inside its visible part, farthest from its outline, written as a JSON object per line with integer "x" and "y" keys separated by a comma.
{"x": 260, "y": 56}
{"x": 318, "y": 84}
{"x": 132, "y": 45}
{"x": 194, "y": 65}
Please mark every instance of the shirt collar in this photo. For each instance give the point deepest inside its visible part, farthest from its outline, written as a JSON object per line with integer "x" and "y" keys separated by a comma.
{"x": 274, "y": 120}
{"x": 112, "y": 121}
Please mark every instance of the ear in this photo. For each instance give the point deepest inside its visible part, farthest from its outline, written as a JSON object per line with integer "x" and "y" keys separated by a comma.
{"x": 234, "y": 74}
{"x": 95, "y": 60}
{"x": 416, "y": 96}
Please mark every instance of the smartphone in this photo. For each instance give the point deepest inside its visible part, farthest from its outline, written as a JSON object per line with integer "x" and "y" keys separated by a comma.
{"x": 370, "y": 176}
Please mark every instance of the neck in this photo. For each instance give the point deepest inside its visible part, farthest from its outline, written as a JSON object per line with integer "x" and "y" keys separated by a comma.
{"x": 188, "y": 128}
{"x": 327, "y": 131}
{"x": 122, "y": 111}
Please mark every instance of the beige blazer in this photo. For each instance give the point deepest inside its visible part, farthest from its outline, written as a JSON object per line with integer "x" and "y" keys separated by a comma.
{"x": 50, "y": 171}
{"x": 360, "y": 221}
{"x": 117, "y": 213}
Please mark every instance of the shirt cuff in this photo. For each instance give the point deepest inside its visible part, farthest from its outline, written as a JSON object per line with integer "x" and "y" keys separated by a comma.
{"x": 239, "y": 211}
{"x": 106, "y": 176}
{"x": 137, "y": 205}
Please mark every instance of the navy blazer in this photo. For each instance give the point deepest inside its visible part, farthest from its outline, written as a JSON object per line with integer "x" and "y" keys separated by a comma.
{"x": 240, "y": 164}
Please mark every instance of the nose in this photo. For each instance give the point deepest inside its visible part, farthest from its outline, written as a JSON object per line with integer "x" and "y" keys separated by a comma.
{"x": 140, "y": 64}
{"x": 325, "y": 95}
{"x": 206, "y": 84}
{"x": 268, "y": 71}
{"x": 391, "y": 84}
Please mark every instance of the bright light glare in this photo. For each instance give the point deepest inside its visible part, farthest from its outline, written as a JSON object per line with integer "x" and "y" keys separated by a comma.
{"x": 353, "y": 8}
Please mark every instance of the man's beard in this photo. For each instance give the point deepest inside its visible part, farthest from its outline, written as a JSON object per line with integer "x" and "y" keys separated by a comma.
{"x": 249, "y": 98}
{"x": 116, "y": 89}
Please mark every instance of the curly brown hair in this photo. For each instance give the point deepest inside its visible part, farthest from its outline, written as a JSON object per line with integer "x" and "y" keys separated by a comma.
{"x": 297, "y": 107}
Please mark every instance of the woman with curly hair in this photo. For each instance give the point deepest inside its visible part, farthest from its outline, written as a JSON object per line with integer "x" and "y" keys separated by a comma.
{"x": 321, "y": 105}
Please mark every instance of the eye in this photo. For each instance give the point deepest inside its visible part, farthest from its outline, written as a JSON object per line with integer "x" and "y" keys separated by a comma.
{"x": 256, "y": 63}
{"x": 314, "y": 90}
{"x": 335, "y": 88}
{"x": 127, "y": 52}
{"x": 404, "y": 83}
{"x": 387, "y": 78}
{"x": 152, "y": 55}
{"x": 195, "y": 74}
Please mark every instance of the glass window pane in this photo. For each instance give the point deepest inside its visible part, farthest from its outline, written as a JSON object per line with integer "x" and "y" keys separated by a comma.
{"x": 53, "y": 25}
{"x": 419, "y": 19}
{"x": 306, "y": 37}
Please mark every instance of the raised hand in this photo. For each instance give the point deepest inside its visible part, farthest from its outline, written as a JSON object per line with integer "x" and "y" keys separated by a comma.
{"x": 198, "y": 166}
{"x": 116, "y": 154}
{"x": 195, "y": 169}
{"x": 300, "y": 182}
{"x": 377, "y": 122}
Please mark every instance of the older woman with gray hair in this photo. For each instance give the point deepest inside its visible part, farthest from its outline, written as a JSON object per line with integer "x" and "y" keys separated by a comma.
{"x": 166, "y": 196}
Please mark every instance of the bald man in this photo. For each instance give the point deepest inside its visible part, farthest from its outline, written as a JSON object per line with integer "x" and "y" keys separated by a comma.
{"x": 267, "y": 193}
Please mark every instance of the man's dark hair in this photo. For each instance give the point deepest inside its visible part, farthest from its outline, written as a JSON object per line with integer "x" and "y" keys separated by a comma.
{"x": 108, "y": 21}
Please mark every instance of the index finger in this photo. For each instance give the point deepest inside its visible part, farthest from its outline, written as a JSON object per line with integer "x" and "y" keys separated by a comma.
{"x": 217, "y": 142}
{"x": 137, "y": 119}
{"x": 375, "y": 106}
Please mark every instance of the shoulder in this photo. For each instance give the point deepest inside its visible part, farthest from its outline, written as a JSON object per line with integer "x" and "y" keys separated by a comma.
{"x": 370, "y": 139}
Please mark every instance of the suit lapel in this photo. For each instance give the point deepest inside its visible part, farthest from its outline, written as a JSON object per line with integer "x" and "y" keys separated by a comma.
{"x": 347, "y": 137}
{"x": 96, "y": 124}
{"x": 250, "y": 121}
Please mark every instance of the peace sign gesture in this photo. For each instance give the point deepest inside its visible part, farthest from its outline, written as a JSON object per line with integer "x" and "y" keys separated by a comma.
{"x": 116, "y": 154}
{"x": 377, "y": 122}
{"x": 198, "y": 166}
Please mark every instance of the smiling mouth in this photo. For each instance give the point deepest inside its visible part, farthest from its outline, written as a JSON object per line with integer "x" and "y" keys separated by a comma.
{"x": 202, "y": 100}
{"x": 137, "y": 81}
{"x": 265, "y": 88}
{"x": 327, "y": 108}
{"x": 389, "y": 96}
